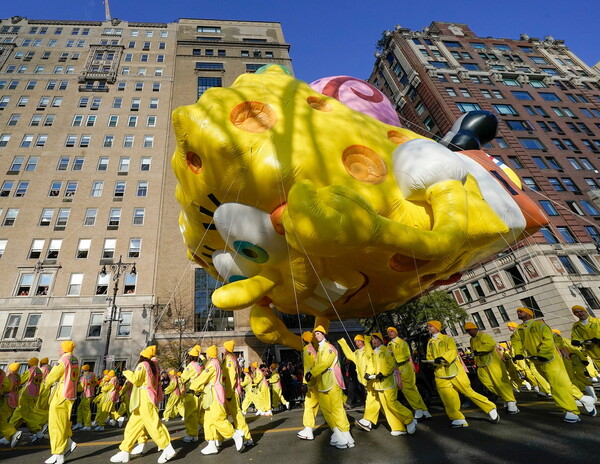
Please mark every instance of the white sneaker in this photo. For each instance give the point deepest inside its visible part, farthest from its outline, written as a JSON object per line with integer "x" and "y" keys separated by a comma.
{"x": 99, "y": 428}
{"x": 363, "y": 424}
{"x": 121, "y": 421}
{"x": 412, "y": 427}
{"x": 211, "y": 448}
{"x": 589, "y": 391}
{"x": 397, "y": 433}
{"x": 121, "y": 456}
{"x": 349, "y": 440}
{"x": 527, "y": 385}
{"x": 189, "y": 438}
{"x": 336, "y": 437}
{"x": 45, "y": 429}
{"x": 571, "y": 418}
{"x": 512, "y": 407}
{"x": 459, "y": 423}
{"x": 4, "y": 441}
{"x": 287, "y": 405}
{"x": 78, "y": 425}
{"x": 55, "y": 459}
{"x": 306, "y": 434}
{"x": 494, "y": 416}
{"x": 595, "y": 379}
{"x": 94, "y": 424}
{"x": 167, "y": 454}
{"x": 138, "y": 449}
{"x": 15, "y": 439}
{"x": 87, "y": 428}
{"x": 112, "y": 422}
{"x": 238, "y": 438}
{"x": 71, "y": 445}
{"x": 589, "y": 404}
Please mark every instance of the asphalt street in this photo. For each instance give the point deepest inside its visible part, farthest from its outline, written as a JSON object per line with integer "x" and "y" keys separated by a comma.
{"x": 536, "y": 435}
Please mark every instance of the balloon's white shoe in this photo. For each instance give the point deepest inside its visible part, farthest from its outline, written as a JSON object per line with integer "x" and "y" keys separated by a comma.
{"x": 211, "y": 448}
{"x": 121, "y": 456}
{"x": 167, "y": 454}
{"x": 306, "y": 434}
{"x": 138, "y": 449}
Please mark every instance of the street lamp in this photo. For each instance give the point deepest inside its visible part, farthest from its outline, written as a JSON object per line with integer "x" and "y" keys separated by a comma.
{"x": 117, "y": 269}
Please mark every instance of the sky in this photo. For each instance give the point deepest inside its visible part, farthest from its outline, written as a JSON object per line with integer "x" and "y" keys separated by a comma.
{"x": 335, "y": 37}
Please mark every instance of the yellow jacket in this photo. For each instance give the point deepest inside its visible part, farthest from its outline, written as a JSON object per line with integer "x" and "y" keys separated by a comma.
{"x": 325, "y": 365}
{"x": 359, "y": 357}
{"x": 485, "y": 345}
{"x": 383, "y": 362}
{"x": 591, "y": 330}
{"x": 534, "y": 338}
{"x": 445, "y": 347}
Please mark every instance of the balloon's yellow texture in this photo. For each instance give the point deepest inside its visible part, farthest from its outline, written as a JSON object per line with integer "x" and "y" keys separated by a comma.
{"x": 301, "y": 203}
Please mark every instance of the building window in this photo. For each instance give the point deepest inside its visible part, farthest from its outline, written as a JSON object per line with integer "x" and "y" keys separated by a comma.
{"x": 36, "y": 249}
{"x": 593, "y": 232}
{"x": 138, "y": 216}
{"x": 503, "y": 314}
{"x": 46, "y": 217}
{"x": 3, "y": 243}
{"x": 63, "y": 217}
{"x": 531, "y": 144}
{"x": 529, "y": 302}
{"x": 97, "y": 187}
{"x": 145, "y": 163}
{"x": 505, "y": 109}
{"x": 489, "y": 314}
{"x": 66, "y": 325}
{"x": 119, "y": 188}
{"x": 588, "y": 264}
{"x": 522, "y": 95}
{"x": 135, "y": 245}
{"x": 124, "y": 163}
{"x": 102, "y": 284}
{"x": 54, "y": 248}
{"x": 531, "y": 183}
{"x": 478, "y": 321}
{"x": 142, "y": 189}
{"x": 124, "y": 327}
{"x": 83, "y": 248}
{"x": 90, "y": 217}
{"x": 12, "y": 326}
{"x": 129, "y": 283}
{"x": 148, "y": 141}
{"x": 11, "y": 217}
{"x": 75, "y": 282}
{"x": 549, "y": 208}
{"x": 566, "y": 234}
{"x": 31, "y": 326}
{"x": 114, "y": 218}
{"x": 95, "y": 325}
{"x": 205, "y": 83}
{"x": 102, "y": 164}
{"x": 568, "y": 264}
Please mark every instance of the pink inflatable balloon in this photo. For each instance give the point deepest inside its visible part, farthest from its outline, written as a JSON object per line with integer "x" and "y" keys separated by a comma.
{"x": 358, "y": 95}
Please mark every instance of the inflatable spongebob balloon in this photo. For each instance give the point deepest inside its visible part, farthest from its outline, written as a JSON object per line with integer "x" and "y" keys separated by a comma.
{"x": 302, "y": 204}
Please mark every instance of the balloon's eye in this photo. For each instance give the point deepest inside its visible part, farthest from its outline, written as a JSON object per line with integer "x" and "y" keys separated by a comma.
{"x": 251, "y": 251}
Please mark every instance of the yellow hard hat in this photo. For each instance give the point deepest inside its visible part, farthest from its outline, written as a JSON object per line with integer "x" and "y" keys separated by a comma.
{"x": 43, "y": 361}
{"x": 172, "y": 372}
{"x": 254, "y": 365}
{"x": 14, "y": 367}
{"x": 512, "y": 324}
{"x": 321, "y": 329}
{"x": 85, "y": 367}
{"x": 307, "y": 337}
{"x": 111, "y": 373}
{"x": 33, "y": 362}
{"x": 360, "y": 337}
{"x": 148, "y": 352}
{"x": 229, "y": 345}
{"x": 378, "y": 335}
{"x": 273, "y": 366}
{"x": 246, "y": 369}
{"x": 556, "y": 331}
{"x": 393, "y": 329}
{"x": 195, "y": 351}
{"x": 67, "y": 346}
{"x": 526, "y": 310}
{"x": 470, "y": 325}
{"x": 212, "y": 351}
{"x": 579, "y": 307}
{"x": 436, "y": 324}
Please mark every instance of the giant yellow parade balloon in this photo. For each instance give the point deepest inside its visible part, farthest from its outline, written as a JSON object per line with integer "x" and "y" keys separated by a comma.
{"x": 300, "y": 203}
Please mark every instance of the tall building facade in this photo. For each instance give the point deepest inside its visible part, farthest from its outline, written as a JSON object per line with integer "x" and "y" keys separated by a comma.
{"x": 89, "y": 235}
{"x": 547, "y": 101}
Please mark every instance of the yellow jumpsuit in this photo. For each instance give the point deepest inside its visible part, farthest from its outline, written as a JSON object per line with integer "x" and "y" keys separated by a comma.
{"x": 401, "y": 352}
{"x": 331, "y": 396}
{"x": 573, "y": 360}
{"x": 248, "y": 396}
{"x": 124, "y": 396}
{"x": 582, "y": 332}
{"x": 7, "y": 430}
{"x": 175, "y": 404}
{"x": 231, "y": 372}
{"x": 23, "y": 414}
{"x": 528, "y": 370}
{"x": 107, "y": 402}
{"x": 276, "y": 392}
{"x": 87, "y": 385}
{"x": 491, "y": 370}
{"x": 215, "y": 416}
{"x": 191, "y": 403}
{"x": 311, "y": 399}
{"x": 143, "y": 414}
{"x": 534, "y": 338}
{"x": 384, "y": 392}
{"x": 40, "y": 411}
{"x": 59, "y": 415}
{"x": 262, "y": 393}
{"x": 451, "y": 378}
